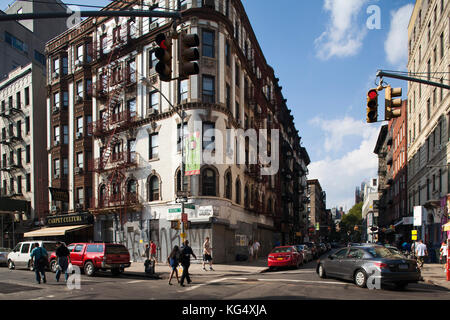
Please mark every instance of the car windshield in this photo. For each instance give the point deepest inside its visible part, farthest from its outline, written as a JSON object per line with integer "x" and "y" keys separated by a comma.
{"x": 282, "y": 250}
{"x": 380, "y": 252}
{"x": 49, "y": 246}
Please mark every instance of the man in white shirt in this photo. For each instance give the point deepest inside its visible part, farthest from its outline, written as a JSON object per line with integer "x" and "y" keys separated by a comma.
{"x": 444, "y": 253}
{"x": 256, "y": 246}
{"x": 421, "y": 252}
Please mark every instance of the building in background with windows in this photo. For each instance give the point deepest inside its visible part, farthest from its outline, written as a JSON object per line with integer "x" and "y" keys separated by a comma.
{"x": 318, "y": 218}
{"x": 428, "y": 117}
{"x": 23, "y": 41}
{"x": 23, "y": 172}
{"x": 125, "y": 165}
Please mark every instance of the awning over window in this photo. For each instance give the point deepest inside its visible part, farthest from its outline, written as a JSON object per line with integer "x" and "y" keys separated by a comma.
{"x": 54, "y": 231}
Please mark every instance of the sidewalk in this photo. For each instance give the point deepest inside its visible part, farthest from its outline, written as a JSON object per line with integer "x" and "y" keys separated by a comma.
{"x": 434, "y": 273}
{"x": 232, "y": 268}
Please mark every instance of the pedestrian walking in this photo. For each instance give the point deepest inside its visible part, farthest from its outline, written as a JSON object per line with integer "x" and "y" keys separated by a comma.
{"x": 421, "y": 253}
{"x": 40, "y": 256}
{"x": 63, "y": 259}
{"x": 173, "y": 260}
{"x": 186, "y": 252}
{"x": 444, "y": 253}
{"x": 207, "y": 257}
{"x": 153, "y": 251}
{"x": 256, "y": 246}
{"x": 146, "y": 254}
{"x": 250, "y": 250}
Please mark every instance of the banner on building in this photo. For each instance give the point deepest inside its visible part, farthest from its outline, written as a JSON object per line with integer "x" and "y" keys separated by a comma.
{"x": 418, "y": 212}
{"x": 193, "y": 150}
{"x": 59, "y": 194}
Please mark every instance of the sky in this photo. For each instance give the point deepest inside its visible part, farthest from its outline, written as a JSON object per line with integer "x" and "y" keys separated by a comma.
{"x": 326, "y": 58}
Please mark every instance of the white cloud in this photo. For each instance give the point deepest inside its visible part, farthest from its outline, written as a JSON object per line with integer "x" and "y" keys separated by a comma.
{"x": 343, "y": 36}
{"x": 340, "y": 176}
{"x": 336, "y": 130}
{"x": 396, "y": 44}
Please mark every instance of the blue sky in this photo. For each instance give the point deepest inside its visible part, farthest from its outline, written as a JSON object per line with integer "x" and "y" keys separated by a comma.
{"x": 326, "y": 59}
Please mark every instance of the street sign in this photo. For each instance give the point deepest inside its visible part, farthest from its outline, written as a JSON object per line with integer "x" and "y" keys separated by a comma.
{"x": 414, "y": 232}
{"x": 414, "y": 237}
{"x": 418, "y": 216}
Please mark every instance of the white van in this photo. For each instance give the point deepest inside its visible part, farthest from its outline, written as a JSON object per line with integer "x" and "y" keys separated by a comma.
{"x": 19, "y": 257}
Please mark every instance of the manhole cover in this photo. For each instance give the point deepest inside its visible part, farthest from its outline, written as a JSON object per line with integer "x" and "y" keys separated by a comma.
{"x": 12, "y": 288}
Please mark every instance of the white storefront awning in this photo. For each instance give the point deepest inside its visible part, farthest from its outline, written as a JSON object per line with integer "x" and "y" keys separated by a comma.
{"x": 54, "y": 231}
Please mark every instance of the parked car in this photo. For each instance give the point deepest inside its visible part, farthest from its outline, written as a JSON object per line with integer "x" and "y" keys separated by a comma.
{"x": 358, "y": 262}
{"x": 306, "y": 251}
{"x": 4, "y": 256}
{"x": 91, "y": 257}
{"x": 19, "y": 257}
{"x": 285, "y": 256}
{"x": 335, "y": 245}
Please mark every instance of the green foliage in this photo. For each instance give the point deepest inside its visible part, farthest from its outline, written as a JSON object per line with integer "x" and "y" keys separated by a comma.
{"x": 349, "y": 221}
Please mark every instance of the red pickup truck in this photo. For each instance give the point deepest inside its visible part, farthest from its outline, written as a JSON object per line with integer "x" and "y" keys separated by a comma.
{"x": 91, "y": 257}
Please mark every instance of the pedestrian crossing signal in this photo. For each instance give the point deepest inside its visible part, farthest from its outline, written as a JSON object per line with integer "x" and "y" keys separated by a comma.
{"x": 176, "y": 224}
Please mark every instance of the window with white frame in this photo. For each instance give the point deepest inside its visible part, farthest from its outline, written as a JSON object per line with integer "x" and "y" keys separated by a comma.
{"x": 79, "y": 126}
{"x": 56, "y": 135}
{"x": 80, "y": 159}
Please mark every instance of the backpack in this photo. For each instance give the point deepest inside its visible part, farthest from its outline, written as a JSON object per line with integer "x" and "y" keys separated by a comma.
{"x": 43, "y": 260}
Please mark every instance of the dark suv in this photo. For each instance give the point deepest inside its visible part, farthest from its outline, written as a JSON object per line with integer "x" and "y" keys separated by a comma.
{"x": 91, "y": 257}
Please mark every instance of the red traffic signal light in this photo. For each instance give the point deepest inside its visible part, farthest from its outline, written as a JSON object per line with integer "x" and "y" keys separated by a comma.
{"x": 164, "y": 55}
{"x": 372, "y": 106}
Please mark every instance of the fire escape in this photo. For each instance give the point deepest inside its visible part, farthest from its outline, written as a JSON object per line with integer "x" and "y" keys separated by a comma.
{"x": 9, "y": 140}
{"x": 114, "y": 79}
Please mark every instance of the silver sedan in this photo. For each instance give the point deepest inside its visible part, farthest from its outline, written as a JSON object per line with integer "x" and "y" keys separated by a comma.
{"x": 375, "y": 263}
{"x": 4, "y": 256}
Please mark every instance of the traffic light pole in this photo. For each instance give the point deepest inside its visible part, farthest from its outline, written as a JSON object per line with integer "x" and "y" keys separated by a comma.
{"x": 382, "y": 74}
{"x": 106, "y": 13}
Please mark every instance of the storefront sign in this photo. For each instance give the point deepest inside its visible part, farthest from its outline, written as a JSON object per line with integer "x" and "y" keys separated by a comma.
{"x": 59, "y": 194}
{"x": 69, "y": 219}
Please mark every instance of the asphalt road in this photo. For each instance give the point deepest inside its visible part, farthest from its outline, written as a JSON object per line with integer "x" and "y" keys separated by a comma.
{"x": 285, "y": 284}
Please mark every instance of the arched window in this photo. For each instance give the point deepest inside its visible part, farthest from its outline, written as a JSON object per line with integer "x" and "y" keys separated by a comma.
{"x": 102, "y": 196}
{"x": 246, "y": 199}
{"x": 115, "y": 196}
{"x": 132, "y": 190}
{"x": 209, "y": 182}
{"x": 153, "y": 187}
{"x": 269, "y": 206}
{"x": 228, "y": 186}
{"x": 238, "y": 191}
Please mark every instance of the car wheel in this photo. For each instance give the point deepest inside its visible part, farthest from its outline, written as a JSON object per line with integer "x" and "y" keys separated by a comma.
{"x": 53, "y": 266}
{"x": 115, "y": 272}
{"x": 361, "y": 278}
{"x": 89, "y": 269}
{"x": 11, "y": 265}
{"x": 322, "y": 273}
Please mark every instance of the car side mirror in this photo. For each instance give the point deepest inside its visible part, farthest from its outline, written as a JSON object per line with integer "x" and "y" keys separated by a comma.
{"x": 330, "y": 257}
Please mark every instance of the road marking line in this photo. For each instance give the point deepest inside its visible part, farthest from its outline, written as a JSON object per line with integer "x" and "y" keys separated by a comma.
{"x": 308, "y": 281}
{"x": 203, "y": 284}
{"x": 136, "y": 281}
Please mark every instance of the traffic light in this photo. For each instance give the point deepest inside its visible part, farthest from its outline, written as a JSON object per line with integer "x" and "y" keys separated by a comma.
{"x": 390, "y": 104}
{"x": 187, "y": 54}
{"x": 175, "y": 224}
{"x": 372, "y": 106}
{"x": 187, "y": 225}
{"x": 164, "y": 55}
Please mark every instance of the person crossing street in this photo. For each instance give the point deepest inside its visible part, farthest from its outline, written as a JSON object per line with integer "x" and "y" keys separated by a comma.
{"x": 40, "y": 261}
{"x": 186, "y": 252}
{"x": 421, "y": 253}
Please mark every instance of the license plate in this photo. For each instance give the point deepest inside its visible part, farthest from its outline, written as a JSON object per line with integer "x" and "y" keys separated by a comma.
{"x": 403, "y": 267}
{"x": 279, "y": 258}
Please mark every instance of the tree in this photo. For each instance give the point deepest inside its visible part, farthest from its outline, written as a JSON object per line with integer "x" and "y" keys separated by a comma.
{"x": 349, "y": 221}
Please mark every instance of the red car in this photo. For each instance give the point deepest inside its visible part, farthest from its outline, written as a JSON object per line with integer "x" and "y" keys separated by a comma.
{"x": 285, "y": 256}
{"x": 91, "y": 257}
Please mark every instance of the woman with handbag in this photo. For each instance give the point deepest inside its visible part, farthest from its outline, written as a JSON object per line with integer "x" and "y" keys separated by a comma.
{"x": 63, "y": 259}
{"x": 173, "y": 260}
